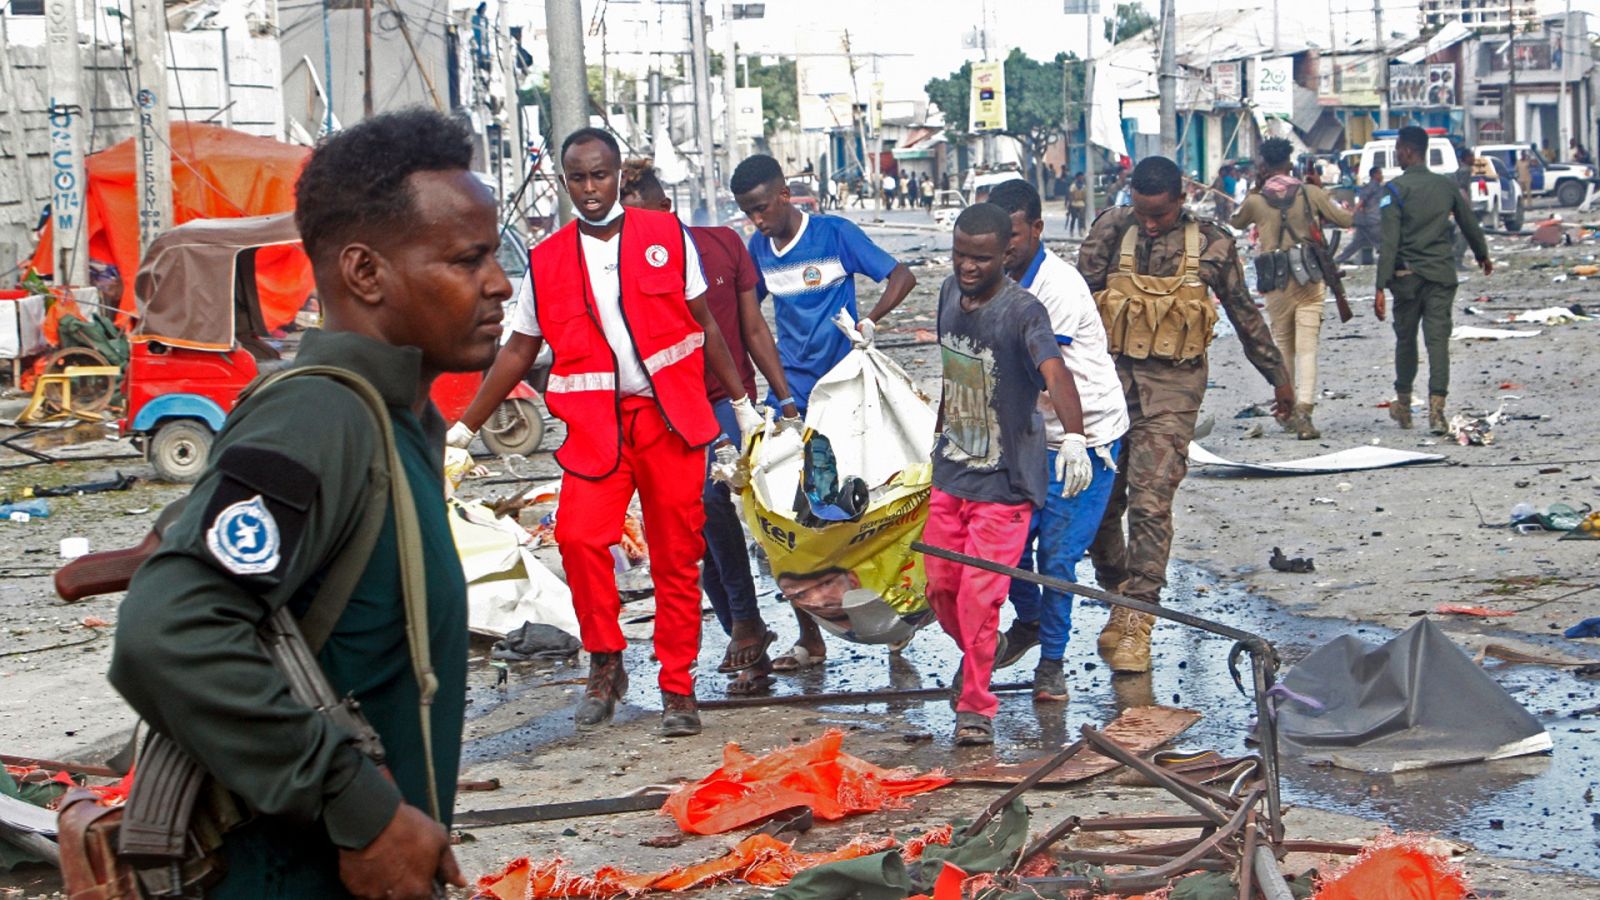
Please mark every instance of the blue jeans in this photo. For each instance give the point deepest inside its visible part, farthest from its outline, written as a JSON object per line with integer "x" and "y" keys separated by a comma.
{"x": 1063, "y": 530}
{"x": 725, "y": 573}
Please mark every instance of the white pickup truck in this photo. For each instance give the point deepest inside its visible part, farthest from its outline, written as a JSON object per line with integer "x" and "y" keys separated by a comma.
{"x": 1495, "y": 194}
{"x": 1567, "y": 182}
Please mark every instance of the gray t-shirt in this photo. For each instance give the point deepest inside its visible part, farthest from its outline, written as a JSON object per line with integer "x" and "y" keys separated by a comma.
{"x": 992, "y": 446}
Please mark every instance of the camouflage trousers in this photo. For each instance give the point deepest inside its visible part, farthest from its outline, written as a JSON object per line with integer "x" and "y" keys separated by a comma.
{"x": 1163, "y": 403}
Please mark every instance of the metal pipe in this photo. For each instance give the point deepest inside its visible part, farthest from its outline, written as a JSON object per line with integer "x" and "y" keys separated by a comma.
{"x": 1023, "y": 786}
{"x": 852, "y": 697}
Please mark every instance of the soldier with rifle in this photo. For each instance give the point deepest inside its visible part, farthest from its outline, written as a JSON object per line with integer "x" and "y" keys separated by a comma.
{"x": 1289, "y": 267}
{"x": 402, "y": 241}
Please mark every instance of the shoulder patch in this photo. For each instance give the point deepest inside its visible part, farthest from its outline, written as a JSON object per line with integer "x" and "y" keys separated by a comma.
{"x": 1385, "y": 200}
{"x": 244, "y": 538}
{"x": 257, "y": 513}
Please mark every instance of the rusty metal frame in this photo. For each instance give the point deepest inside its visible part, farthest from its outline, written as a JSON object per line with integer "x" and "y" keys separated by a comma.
{"x": 1263, "y": 659}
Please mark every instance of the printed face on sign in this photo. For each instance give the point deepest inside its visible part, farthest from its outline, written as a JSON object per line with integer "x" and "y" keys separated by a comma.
{"x": 656, "y": 255}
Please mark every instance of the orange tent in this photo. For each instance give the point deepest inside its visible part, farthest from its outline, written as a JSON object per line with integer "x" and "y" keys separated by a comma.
{"x": 217, "y": 173}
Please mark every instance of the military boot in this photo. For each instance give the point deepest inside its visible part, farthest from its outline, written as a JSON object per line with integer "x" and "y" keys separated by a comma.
{"x": 1111, "y": 634}
{"x": 1436, "y": 419}
{"x": 1303, "y": 429}
{"x": 608, "y": 681}
{"x": 1132, "y": 653}
{"x": 1400, "y": 409}
{"x": 680, "y": 715}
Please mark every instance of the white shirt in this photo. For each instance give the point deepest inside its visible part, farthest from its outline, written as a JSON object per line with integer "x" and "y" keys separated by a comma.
{"x": 600, "y": 257}
{"x": 1082, "y": 338}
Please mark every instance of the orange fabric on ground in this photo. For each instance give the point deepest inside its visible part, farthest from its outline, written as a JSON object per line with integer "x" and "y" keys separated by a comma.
{"x": 217, "y": 173}
{"x": 817, "y": 774}
{"x": 1396, "y": 868}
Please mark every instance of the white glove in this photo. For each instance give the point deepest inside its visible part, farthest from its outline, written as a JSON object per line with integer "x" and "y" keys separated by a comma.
{"x": 791, "y": 423}
{"x": 1104, "y": 452}
{"x": 459, "y": 436}
{"x": 1072, "y": 465}
{"x": 728, "y": 467}
{"x": 749, "y": 418}
{"x": 868, "y": 329}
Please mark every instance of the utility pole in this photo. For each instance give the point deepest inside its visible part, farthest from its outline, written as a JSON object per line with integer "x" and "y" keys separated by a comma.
{"x": 700, "y": 75}
{"x": 569, "y": 79}
{"x": 327, "y": 67}
{"x": 1088, "y": 117}
{"x": 153, "y": 174}
{"x": 1168, "y": 79}
{"x": 366, "y": 58}
{"x": 1383, "y": 71}
{"x": 730, "y": 91}
{"x": 67, "y": 180}
{"x": 1563, "y": 112}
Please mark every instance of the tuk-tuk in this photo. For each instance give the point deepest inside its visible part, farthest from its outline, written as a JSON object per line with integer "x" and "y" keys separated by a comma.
{"x": 200, "y": 339}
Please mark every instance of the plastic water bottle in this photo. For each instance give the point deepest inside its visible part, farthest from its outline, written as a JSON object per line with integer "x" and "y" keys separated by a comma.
{"x": 22, "y": 511}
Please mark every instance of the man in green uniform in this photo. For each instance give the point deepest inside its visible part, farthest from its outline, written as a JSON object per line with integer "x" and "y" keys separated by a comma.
{"x": 1163, "y": 366}
{"x": 1417, "y": 263}
{"x": 402, "y": 241}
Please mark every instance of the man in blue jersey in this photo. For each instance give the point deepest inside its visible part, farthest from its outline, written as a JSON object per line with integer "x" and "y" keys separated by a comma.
{"x": 808, "y": 265}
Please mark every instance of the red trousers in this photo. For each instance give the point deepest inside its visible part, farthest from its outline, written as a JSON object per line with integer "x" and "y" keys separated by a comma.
{"x": 966, "y": 600}
{"x": 669, "y": 476}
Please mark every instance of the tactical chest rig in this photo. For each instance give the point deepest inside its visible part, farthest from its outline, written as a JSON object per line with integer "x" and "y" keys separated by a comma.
{"x": 1168, "y": 317}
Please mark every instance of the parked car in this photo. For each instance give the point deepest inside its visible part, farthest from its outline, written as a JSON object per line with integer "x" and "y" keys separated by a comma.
{"x": 1380, "y": 152}
{"x": 1567, "y": 182}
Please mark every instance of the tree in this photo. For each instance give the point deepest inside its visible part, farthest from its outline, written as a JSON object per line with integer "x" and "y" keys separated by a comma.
{"x": 1131, "y": 20}
{"x": 1035, "y": 101}
{"x": 780, "y": 98}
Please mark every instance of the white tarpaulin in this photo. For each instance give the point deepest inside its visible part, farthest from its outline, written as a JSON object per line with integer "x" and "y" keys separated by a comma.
{"x": 1474, "y": 333}
{"x": 506, "y": 585}
{"x": 1352, "y": 460}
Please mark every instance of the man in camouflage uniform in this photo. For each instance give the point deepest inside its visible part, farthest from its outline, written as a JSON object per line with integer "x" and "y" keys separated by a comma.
{"x": 1163, "y": 394}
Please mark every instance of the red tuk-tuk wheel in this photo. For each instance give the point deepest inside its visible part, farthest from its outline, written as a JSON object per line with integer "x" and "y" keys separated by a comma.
{"x": 179, "y": 450}
{"x": 515, "y": 427}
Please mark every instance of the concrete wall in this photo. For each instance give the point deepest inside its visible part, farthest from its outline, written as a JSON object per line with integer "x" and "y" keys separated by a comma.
{"x": 212, "y": 76}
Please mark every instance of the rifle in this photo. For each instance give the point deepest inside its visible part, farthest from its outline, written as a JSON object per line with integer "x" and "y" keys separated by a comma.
{"x": 1332, "y": 275}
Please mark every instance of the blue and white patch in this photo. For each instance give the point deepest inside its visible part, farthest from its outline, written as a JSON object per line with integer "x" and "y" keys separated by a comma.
{"x": 1385, "y": 201}
{"x": 244, "y": 538}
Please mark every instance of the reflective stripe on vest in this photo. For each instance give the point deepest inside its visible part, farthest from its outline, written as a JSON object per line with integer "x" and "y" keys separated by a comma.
{"x": 678, "y": 352}
{"x": 583, "y": 381}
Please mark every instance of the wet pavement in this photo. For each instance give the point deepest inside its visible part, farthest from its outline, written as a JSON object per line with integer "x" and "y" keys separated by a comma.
{"x": 1533, "y": 808}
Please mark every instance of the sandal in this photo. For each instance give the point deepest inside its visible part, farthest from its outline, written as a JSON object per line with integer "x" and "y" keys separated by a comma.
{"x": 751, "y": 683}
{"x": 758, "y": 646}
{"x": 974, "y": 730}
{"x": 795, "y": 659}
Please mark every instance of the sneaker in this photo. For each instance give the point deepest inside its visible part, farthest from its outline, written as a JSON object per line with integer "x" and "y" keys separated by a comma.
{"x": 1049, "y": 682}
{"x": 680, "y": 715}
{"x": 1132, "y": 653}
{"x": 608, "y": 681}
{"x": 1018, "y": 639}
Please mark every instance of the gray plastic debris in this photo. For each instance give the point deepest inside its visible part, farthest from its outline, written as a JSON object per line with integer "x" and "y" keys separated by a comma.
{"x": 533, "y": 640}
{"x": 1416, "y": 702}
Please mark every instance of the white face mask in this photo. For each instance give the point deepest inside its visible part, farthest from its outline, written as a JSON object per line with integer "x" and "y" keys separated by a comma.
{"x": 611, "y": 216}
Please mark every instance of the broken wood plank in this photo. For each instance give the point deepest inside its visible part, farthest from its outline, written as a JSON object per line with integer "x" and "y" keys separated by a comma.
{"x": 1140, "y": 729}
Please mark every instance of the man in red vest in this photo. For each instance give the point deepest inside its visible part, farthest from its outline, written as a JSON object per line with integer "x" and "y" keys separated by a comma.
{"x": 618, "y": 297}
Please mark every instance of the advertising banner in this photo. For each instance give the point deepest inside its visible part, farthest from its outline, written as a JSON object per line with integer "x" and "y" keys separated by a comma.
{"x": 987, "y": 109}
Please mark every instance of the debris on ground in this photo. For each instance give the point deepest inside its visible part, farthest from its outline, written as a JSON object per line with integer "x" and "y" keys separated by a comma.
{"x": 1355, "y": 459}
{"x": 535, "y": 640}
{"x": 1299, "y": 565}
{"x": 1588, "y": 628}
{"x": 1141, "y": 729}
{"x": 818, "y": 774}
{"x": 1462, "y": 609}
{"x": 1525, "y": 517}
{"x": 1472, "y": 430}
{"x": 1393, "y": 867}
{"x": 24, "y": 511}
{"x": 1415, "y": 702}
{"x": 1474, "y": 333}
